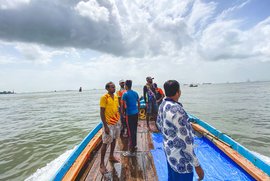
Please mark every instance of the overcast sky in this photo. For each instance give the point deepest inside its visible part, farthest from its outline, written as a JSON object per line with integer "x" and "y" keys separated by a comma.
{"x": 64, "y": 44}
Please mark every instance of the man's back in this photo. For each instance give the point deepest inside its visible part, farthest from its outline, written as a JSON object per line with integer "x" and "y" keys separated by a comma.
{"x": 131, "y": 97}
{"x": 177, "y": 131}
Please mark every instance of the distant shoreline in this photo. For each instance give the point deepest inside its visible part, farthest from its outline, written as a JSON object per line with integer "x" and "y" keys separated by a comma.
{"x": 183, "y": 83}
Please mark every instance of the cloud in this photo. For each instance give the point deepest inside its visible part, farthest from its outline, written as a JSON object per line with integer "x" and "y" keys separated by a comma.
{"x": 224, "y": 40}
{"x": 7, "y": 4}
{"x": 122, "y": 28}
{"x": 91, "y": 9}
{"x": 134, "y": 29}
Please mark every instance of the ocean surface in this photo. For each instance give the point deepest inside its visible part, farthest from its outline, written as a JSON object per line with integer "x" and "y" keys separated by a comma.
{"x": 38, "y": 131}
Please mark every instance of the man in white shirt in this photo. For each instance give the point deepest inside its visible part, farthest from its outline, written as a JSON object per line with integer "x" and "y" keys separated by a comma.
{"x": 178, "y": 139}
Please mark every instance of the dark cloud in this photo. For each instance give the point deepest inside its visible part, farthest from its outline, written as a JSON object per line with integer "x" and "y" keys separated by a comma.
{"x": 59, "y": 25}
{"x": 130, "y": 29}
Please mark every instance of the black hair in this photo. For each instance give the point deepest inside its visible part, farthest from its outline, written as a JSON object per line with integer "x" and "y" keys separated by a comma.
{"x": 171, "y": 87}
{"x": 154, "y": 85}
{"x": 107, "y": 86}
{"x": 128, "y": 83}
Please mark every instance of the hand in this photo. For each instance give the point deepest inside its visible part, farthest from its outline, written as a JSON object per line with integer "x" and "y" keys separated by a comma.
{"x": 107, "y": 130}
{"x": 199, "y": 172}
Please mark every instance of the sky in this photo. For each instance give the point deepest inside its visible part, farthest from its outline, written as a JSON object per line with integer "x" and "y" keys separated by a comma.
{"x": 48, "y": 45}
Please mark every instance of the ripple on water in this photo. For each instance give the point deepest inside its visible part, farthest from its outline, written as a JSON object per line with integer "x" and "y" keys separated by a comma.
{"x": 38, "y": 127}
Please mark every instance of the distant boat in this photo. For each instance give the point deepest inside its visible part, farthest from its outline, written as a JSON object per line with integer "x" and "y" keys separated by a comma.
{"x": 206, "y": 83}
{"x": 80, "y": 89}
{"x": 7, "y": 92}
{"x": 193, "y": 85}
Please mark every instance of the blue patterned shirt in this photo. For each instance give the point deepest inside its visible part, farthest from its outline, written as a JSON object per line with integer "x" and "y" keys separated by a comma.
{"x": 178, "y": 137}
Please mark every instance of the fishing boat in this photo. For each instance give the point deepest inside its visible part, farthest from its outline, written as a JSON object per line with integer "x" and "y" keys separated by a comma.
{"x": 220, "y": 156}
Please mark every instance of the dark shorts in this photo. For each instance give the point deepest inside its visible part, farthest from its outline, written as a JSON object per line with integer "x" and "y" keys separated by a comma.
{"x": 152, "y": 107}
{"x": 172, "y": 175}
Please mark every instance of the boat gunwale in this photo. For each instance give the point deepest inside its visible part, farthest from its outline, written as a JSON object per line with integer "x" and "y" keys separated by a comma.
{"x": 255, "y": 160}
{"x": 75, "y": 154}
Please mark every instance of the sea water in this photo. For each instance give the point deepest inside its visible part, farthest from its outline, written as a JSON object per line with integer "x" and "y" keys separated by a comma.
{"x": 38, "y": 131}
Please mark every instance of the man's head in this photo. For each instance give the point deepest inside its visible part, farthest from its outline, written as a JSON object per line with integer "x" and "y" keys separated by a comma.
{"x": 110, "y": 87}
{"x": 122, "y": 83}
{"x": 149, "y": 79}
{"x": 172, "y": 88}
{"x": 128, "y": 84}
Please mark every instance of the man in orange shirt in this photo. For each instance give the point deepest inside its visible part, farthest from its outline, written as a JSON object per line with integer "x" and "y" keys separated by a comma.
{"x": 109, "y": 113}
{"x": 159, "y": 94}
{"x": 122, "y": 106}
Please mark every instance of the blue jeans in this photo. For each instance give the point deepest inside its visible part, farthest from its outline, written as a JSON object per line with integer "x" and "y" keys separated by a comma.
{"x": 172, "y": 175}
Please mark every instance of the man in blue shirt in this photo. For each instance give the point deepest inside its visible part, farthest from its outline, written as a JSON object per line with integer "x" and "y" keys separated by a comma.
{"x": 178, "y": 138}
{"x": 132, "y": 101}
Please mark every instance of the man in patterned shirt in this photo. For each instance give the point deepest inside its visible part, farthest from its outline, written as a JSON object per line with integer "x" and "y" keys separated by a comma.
{"x": 109, "y": 114}
{"x": 178, "y": 139}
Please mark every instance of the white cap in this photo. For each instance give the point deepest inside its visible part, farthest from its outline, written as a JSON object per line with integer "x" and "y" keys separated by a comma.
{"x": 120, "y": 81}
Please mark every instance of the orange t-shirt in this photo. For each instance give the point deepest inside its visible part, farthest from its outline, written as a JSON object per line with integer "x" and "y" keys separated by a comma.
{"x": 160, "y": 91}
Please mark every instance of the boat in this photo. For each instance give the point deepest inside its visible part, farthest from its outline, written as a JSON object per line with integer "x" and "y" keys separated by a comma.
{"x": 7, "y": 92}
{"x": 193, "y": 85}
{"x": 221, "y": 157}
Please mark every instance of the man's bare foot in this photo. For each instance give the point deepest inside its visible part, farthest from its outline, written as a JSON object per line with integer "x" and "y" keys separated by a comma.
{"x": 114, "y": 159}
{"x": 103, "y": 170}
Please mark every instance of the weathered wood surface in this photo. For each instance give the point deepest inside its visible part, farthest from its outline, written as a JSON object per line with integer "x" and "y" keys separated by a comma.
{"x": 133, "y": 168}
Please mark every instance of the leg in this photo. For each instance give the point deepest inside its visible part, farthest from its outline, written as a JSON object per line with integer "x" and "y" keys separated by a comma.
{"x": 103, "y": 169}
{"x": 115, "y": 135}
{"x": 136, "y": 126}
{"x": 133, "y": 127}
{"x": 147, "y": 120}
{"x": 130, "y": 130}
{"x": 148, "y": 113}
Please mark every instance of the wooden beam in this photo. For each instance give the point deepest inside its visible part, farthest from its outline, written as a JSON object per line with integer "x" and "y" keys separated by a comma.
{"x": 81, "y": 160}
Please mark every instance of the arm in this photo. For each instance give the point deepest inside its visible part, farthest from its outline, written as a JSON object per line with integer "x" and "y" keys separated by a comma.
{"x": 189, "y": 144}
{"x": 158, "y": 123}
{"x": 103, "y": 119}
{"x": 138, "y": 101}
{"x": 144, "y": 93}
{"x": 162, "y": 95}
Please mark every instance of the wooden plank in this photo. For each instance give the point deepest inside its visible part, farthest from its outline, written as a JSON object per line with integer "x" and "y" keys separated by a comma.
{"x": 115, "y": 168}
{"x": 94, "y": 172}
{"x": 150, "y": 170}
{"x": 132, "y": 168}
{"x": 80, "y": 161}
{"x": 234, "y": 155}
{"x": 88, "y": 168}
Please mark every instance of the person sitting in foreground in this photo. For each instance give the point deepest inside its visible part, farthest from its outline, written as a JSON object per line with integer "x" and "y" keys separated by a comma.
{"x": 178, "y": 139}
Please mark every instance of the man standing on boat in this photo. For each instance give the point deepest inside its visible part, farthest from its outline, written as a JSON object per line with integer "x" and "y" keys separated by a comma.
{"x": 132, "y": 101}
{"x": 109, "y": 113}
{"x": 149, "y": 94}
{"x": 178, "y": 138}
{"x": 159, "y": 94}
{"x": 122, "y": 106}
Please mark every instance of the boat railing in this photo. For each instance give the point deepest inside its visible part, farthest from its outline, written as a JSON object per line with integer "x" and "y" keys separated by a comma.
{"x": 258, "y": 162}
{"x": 74, "y": 155}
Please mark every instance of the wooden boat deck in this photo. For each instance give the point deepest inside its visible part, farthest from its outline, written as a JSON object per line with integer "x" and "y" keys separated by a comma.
{"x": 139, "y": 167}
